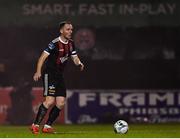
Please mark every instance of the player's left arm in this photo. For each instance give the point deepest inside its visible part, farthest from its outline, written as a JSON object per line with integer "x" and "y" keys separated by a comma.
{"x": 77, "y": 62}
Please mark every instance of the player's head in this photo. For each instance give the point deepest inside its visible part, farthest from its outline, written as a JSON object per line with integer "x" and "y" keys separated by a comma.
{"x": 65, "y": 29}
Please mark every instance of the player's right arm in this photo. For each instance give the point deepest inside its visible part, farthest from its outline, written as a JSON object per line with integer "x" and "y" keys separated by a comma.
{"x": 40, "y": 63}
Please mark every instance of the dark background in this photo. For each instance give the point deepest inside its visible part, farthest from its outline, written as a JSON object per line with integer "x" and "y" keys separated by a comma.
{"x": 130, "y": 58}
{"x": 129, "y": 51}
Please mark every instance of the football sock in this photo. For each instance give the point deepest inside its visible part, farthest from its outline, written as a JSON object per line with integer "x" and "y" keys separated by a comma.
{"x": 40, "y": 115}
{"x": 53, "y": 114}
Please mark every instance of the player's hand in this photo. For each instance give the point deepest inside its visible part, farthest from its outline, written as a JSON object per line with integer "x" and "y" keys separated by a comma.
{"x": 81, "y": 66}
{"x": 37, "y": 76}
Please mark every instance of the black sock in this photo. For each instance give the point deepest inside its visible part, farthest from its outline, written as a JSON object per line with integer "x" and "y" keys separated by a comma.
{"x": 40, "y": 115}
{"x": 53, "y": 114}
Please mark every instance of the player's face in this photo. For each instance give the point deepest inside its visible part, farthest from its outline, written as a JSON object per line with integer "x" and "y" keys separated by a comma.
{"x": 66, "y": 31}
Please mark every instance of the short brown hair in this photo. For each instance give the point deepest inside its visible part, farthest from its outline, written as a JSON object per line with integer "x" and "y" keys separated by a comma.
{"x": 61, "y": 24}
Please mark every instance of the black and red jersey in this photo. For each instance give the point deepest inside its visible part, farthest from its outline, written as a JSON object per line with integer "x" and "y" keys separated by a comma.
{"x": 59, "y": 52}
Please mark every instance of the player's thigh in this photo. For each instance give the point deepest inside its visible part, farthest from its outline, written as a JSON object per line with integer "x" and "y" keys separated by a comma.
{"x": 49, "y": 83}
{"x": 49, "y": 100}
{"x": 60, "y": 88}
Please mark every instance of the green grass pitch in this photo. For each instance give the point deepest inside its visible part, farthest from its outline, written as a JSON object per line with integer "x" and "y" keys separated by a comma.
{"x": 96, "y": 131}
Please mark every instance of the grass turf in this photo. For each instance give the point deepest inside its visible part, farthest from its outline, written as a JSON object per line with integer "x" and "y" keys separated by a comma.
{"x": 96, "y": 131}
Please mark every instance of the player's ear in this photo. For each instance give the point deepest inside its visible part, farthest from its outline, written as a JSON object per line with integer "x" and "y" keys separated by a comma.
{"x": 61, "y": 30}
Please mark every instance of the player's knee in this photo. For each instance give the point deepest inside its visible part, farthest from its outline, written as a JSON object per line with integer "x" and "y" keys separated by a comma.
{"x": 60, "y": 105}
{"x": 48, "y": 103}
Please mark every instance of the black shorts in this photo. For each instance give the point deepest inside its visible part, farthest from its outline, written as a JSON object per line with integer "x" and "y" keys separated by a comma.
{"x": 54, "y": 85}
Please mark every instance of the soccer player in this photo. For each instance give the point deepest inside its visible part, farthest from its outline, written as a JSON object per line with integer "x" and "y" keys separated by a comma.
{"x": 56, "y": 56}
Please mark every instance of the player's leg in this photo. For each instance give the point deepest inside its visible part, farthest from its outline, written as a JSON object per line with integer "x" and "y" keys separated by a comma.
{"x": 49, "y": 100}
{"x": 49, "y": 94}
{"x": 59, "y": 91}
{"x": 53, "y": 114}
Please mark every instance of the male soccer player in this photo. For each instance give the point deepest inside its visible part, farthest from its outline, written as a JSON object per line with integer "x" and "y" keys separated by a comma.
{"x": 56, "y": 56}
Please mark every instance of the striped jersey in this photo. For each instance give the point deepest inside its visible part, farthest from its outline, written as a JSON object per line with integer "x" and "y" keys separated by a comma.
{"x": 59, "y": 52}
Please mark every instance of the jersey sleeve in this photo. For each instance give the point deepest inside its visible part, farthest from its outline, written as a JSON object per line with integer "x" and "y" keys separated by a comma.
{"x": 73, "y": 50}
{"x": 50, "y": 47}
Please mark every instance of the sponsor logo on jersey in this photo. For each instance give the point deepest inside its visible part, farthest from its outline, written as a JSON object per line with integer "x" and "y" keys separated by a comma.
{"x": 63, "y": 59}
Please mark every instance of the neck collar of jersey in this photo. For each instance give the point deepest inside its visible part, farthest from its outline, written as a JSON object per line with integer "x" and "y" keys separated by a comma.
{"x": 62, "y": 40}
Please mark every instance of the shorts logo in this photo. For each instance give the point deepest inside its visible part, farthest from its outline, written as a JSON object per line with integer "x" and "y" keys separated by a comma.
{"x": 51, "y": 89}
